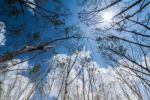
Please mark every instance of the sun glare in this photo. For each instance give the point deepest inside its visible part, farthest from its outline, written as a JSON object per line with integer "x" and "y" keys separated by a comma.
{"x": 107, "y": 17}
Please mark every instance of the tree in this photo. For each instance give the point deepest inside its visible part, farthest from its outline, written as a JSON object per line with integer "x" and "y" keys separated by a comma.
{"x": 125, "y": 37}
{"x": 29, "y": 30}
{"x": 29, "y": 38}
{"x": 72, "y": 77}
{"x": 32, "y": 32}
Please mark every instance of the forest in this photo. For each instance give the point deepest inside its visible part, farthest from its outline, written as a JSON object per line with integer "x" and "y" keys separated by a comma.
{"x": 74, "y": 49}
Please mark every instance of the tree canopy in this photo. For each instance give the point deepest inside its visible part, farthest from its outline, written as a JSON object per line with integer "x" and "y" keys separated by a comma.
{"x": 74, "y": 50}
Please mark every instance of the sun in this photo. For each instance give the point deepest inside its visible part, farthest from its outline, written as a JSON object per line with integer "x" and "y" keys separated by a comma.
{"x": 107, "y": 17}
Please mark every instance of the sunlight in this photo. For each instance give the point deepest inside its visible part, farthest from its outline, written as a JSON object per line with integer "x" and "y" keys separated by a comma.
{"x": 107, "y": 17}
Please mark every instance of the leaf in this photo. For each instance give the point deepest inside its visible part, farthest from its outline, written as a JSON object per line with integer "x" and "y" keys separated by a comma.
{"x": 67, "y": 29}
{"x": 37, "y": 35}
{"x": 11, "y": 1}
{"x": 35, "y": 69}
{"x": 121, "y": 50}
{"x": 17, "y": 31}
{"x": 34, "y": 36}
{"x": 56, "y": 21}
{"x": 15, "y": 12}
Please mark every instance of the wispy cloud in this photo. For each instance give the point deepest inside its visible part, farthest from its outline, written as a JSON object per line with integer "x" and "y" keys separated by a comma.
{"x": 2, "y": 33}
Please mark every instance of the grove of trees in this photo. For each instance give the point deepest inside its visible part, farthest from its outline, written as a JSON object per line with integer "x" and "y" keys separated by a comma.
{"x": 51, "y": 49}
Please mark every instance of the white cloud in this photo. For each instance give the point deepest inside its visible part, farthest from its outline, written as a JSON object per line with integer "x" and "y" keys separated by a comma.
{"x": 2, "y": 33}
{"x": 15, "y": 86}
{"x": 31, "y": 4}
{"x": 106, "y": 80}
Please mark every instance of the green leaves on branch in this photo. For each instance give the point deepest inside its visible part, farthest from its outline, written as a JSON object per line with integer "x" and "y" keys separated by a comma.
{"x": 35, "y": 69}
{"x": 17, "y": 31}
{"x": 121, "y": 50}
{"x": 110, "y": 43}
{"x": 56, "y": 21}
{"x": 11, "y": 1}
{"x": 37, "y": 35}
{"x": 15, "y": 12}
{"x": 34, "y": 36}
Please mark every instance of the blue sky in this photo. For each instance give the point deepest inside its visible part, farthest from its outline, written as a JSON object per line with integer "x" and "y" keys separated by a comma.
{"x": 29, "y": 29}
{"x": 22, "y": 28}
{"x": 27, "y": 25}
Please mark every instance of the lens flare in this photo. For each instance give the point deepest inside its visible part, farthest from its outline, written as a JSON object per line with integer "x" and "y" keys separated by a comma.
{"x": 107, "y": 17}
